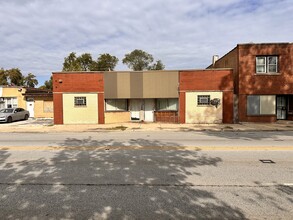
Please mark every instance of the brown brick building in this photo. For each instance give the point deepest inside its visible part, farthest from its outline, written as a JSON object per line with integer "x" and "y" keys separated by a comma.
{"x": 263, "y": 81}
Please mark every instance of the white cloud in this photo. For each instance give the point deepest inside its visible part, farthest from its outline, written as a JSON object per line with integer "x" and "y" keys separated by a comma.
{"x": 36, "y": 35}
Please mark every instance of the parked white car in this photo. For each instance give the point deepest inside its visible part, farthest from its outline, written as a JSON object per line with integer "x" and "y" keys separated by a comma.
{"x": 13, "y": 114}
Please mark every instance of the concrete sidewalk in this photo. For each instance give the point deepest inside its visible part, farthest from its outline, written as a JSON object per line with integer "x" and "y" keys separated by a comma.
{"x": 47, "y": 126}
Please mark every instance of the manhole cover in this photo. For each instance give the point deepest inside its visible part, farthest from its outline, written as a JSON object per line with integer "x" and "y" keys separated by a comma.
{"x": 266, "y": 161}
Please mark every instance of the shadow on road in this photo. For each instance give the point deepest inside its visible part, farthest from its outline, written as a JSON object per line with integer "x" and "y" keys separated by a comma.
{"x": 109, "y": 184}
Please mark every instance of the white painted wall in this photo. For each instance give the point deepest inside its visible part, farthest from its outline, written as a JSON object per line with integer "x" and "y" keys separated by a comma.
{"x": 203, "y": 114}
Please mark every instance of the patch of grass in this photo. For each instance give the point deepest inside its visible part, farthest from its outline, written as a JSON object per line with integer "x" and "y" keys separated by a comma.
{"x": 121, "y": 127}
{"x": 228, "y": 127}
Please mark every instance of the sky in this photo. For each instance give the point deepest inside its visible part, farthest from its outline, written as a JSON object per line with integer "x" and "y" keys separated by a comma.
{"x": 36, "y": 35}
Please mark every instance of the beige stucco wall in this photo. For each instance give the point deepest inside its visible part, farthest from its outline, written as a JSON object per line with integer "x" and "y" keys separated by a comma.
{"x": 203, "y": 114}
{"x": 43, "y": 108}
{"x": 13, "y": 92}
{"x": 80, "y": 115}
{"x": 117, "y": 117}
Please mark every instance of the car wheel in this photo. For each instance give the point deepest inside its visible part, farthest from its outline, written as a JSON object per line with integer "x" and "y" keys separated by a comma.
{"x": 26, "y": 117}
{"x": 9, "y": 119}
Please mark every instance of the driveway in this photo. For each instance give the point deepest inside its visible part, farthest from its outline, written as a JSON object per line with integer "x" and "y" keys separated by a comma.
{"x": 30, "y": 121}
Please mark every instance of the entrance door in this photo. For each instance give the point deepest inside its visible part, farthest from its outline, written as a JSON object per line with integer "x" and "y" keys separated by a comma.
{"x": 281, "y": 107}
{"x": 135, "y": 107}
{"x": 149, "y": 106}
{"x": 30, "y": 105}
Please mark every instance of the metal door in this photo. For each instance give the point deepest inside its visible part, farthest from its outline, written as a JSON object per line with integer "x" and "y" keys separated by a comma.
{"x": 149, "y": 106}
{"x": 281, "y": 107}
{"x": 135, "y": 107}
{"x": 30, "y": 105}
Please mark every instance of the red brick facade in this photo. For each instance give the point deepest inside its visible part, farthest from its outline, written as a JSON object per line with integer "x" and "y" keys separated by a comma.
{"x": 242, "y": 60}
{"x": 79, "y": 82}
{"x": 207, "y": 80}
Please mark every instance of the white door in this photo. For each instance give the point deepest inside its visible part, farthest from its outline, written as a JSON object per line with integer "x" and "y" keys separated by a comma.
{"x": 135, "y": 107}
{"x": 30, "y": 105}
{"x": 149, "y": 106}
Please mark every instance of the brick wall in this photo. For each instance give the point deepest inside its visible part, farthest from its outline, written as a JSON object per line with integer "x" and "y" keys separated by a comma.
{"x": 208, "y": 80}
{"x": 77, "y": 82}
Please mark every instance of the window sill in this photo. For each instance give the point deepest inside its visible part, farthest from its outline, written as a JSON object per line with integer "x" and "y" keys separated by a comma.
{"x": 166, "y": 110}
{"x": 267, "y": 74}
{"x": 261, "y": 115}
{"x": 116, "y": 111}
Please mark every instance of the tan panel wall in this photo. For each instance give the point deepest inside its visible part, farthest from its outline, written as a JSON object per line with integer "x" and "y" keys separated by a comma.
{"x": 110, "y": 81}
{"x": 160, "y": 84}
{"x": 267, "y": 104}
{"x": 80, "y": 115}
{"x": 13, "y": 92}
{"x": 117, "y": 117}
{"x": 123, "y": 85}
{"x": 146, "y": 84}
{"x": 43, "y": 108}
{"x": 203, "y": 114}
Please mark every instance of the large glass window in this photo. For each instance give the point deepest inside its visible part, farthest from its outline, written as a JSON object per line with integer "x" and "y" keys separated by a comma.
{"x": 266, "y": 64}
{"x": 261, "y": 105}
{"x": 167, "y": 104}
{"x": 116, "y": 105}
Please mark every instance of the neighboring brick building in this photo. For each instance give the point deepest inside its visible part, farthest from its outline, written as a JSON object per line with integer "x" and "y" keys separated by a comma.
{"x": 263, "y": 81}
{"x": 199, "y": 96}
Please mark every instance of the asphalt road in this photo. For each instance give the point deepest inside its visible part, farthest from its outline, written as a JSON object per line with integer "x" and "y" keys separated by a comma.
{"x": 146, "y": 175}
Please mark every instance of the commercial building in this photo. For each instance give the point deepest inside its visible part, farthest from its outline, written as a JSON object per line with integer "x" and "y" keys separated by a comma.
{"x": 251, "y": 83}
{"x": 263, "y": 81}
{"x": 191, "y": 96}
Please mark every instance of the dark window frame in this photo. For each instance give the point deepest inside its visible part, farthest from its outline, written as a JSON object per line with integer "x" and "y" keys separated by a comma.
{"x": 77, "y": 102}
{"x": 200, "y": 99}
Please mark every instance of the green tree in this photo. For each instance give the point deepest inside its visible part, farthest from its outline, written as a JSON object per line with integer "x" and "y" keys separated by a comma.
{"x": 3, "y": 77}
{"x": 30, "y": 80}
{"x": 48, "y": 84}
{"x": 71, "y": 63}
{"x": 157, "y": 66}
{"x": 106, "y": 62}
{"x": 15, "y": 76}
{"x": 86, "y": 62}
{"x": 138, "y": 60}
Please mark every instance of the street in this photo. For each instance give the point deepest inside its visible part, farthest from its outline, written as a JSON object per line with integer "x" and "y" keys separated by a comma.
{"x": 146, "y": 175}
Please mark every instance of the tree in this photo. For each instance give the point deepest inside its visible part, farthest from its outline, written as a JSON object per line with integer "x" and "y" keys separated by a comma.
{"x": 48, "y": 84}
{"x": 15, "y": 76}
{"x": 138, "y": 60}
{"x": 157, "y": 66}
{"x": 106, "y": 62}
{"x": 3, "y": 77}
{"x": 86, "y": 62}
{"x": 71, "y": 63}
{"x": 30, "y": 81}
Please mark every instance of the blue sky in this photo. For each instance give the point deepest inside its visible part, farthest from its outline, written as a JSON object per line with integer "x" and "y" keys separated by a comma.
{"x": 36, "y": 35}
